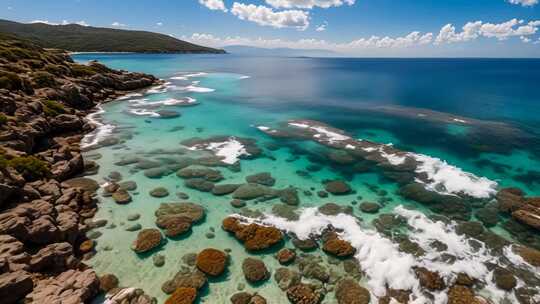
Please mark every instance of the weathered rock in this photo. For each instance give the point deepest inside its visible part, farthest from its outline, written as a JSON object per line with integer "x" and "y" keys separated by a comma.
{"x": 158, "y": 260}
{"x": 338, "y": 247}
{"x": 53, "y": 257}
{"x": 285, "y": 256}
{"x": 529, "y": 215}
{"x": 190, "y": 210}
{"x": 199, "y": 184}
{"x": 128, "y": 296}
{"x": 121, "y": 197}
{"x": 369, "y": 207}
{"x": 337, "y": 187}
{"x": 224, "y": 189}
{"x": 264, "y": 178}
{"x": 72, "y": 286}
{"x": 204, "y": 173}
{"x": 504, "y": 279}
{"x": 303, "y": 294}
{"x": 14, "y": 286}
{"x": 128, "y": 185}
{"x": 147, "y": 239}
{"x": 429, "y": 279}
{"x": 335, "y": 209}
{"x": 185, "y": 278}
{"x": 236, "y": 203}
{"x": 488, "y": 216}
{"x": 212, "y": 261}
{"x": 183, "y": 295}
{"x": 108, "y": 282}
{"x": 255, "y": 237}
{"x": 289, "y": 196}
{"x": 286, "y": 278}
{"x": 253, "y": 191}
{"x": 254, "y": 270}
{"x": 530, "y": 255}
{"x": 159, "y": 192}
{"x": 459, "y": 294}
{"x": 348, "y": 291}
{"x": 84, "y": 183}
{"x": 305, "y": 245}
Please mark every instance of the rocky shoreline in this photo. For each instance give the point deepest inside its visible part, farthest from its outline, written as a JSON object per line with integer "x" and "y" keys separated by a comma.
{"x": 45, "y": 208}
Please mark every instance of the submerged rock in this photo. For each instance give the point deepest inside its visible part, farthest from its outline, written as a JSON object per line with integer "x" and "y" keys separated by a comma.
{"x": 253, "y": 191}
{"x": 348, "y": 291}
{"x": 185, "y": 278}
{"x": 254, "y": 270}
{"x": 304, "y": 294}
{"x": 264, "y": 178}
{"x": 369, "y": 207}
{"x": 108, "y": 282}
{"x": 224, "y": 189}
{"x": 254, "y": 237}
{"x": 212, "y": 261}
{"x": 159, "y": 192}
{"x": 338, "y": 247}
{"x": 337, "y": 187}
{"x": 286, "y": 278}
{"x": 285, "y": 256}
{"x": 121, "y": 197}
{"x": 182, "y": 295}
{"x": 147, "y": 240}
{"x": 429, "y": 279}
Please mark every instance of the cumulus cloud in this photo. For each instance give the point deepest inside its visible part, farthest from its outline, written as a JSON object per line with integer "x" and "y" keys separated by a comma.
{"x": 524, "y": 2}
{"x": 64, "y": 22}
{"x": 159, "y": 24}
{"x": 525, "y": 39}
{"x": 474, "y": 30}
{"x": 373, "y": 42}
{"x": 309, "y": 4}
{"x": 266, "y": 16}
{"x": 118, "y": 24}
{"x": 216, "y": 5}
{"x": 322, "y": 27}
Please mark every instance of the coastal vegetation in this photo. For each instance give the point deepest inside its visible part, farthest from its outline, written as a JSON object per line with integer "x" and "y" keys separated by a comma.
{"x": 77, "y": 38}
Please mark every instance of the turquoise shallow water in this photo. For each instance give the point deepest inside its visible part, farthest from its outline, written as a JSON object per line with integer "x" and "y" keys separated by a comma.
{"x": 235, "y": 95}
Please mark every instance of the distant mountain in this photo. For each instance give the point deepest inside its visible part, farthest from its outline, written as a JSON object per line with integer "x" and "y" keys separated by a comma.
{"x": 77, "y": 38}
{"x": 279, "y": 52}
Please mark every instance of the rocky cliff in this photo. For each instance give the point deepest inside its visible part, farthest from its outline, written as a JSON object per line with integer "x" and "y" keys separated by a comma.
{"x": 45, "y": 209}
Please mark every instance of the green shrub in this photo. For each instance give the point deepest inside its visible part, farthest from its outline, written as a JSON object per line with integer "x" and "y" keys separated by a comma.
{"x": 57, "y": 70}
{"x": 53, "y": 108}
{"x": 30, "y": 167}
{"x": 3, "y": 162}
{"x": 10, "y": 81}
{"x": 33, "y": 63}
{"x": 43, "y": 80}
{"x": 3, "y": 119}
{"x": 80, "y": 70}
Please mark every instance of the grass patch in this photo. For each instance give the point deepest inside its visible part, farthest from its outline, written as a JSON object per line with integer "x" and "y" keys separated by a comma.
{"x": 10, "y": 81}
{"x": 53, "y": 108}
{"x": 30, "y": 167}
{"x": 3, "y": 119}
{"x": 81, "y": 70}
{"x": 44, "y": 80}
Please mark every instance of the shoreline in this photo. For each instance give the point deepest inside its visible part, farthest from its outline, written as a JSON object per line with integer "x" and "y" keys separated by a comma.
{"x": 46, "y": 207}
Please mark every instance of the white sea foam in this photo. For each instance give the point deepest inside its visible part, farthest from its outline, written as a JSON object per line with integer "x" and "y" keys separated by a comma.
{"x": 263, "y": 128}
{"x": 102, "y": 130}
{"x": 129, "y": 96}
{"x": 393, "y": 159}
{"x": 196, "y": 89}
{"x": 229, "y": 151}
{"x": 331, "y": 135}
{"x": 446, "y": 179}
{"x": 459, "y": 120}
{"x": 386, "y": 266}
{"x": 350, "y": 147}
{"x": 244, "y": 77}
{"x": 179, "y": 78}
{"x": 144, "y": 112}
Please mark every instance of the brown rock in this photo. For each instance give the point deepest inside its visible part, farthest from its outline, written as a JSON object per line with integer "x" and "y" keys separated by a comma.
{"x": 348, "y": 291}
{"x": 285, "y": 256}
{"x": 528, "y": 214}
{"x": 121, "y": 197}
{"x": 337, "y": 187}
{"x": 183, "y": 295}
{"x": 530, "y": 255}
{"x": 212, "y": 261}
{"x": 340, "y": 248}
{"x": 459, "y": 294}
{"x": 14, "y": 286}
{"x": 108, "y": 282}
{"x": 254, "y": 270}
{"x": 504, "y": 279}
{"x": 429, "y": 279}
{"x": 147, "y": 239}
{"x": 72, "y": 286}
{"x": 303, "y": 294}
{"x": 255, "y": 237}
{"x": 87, "y": 246}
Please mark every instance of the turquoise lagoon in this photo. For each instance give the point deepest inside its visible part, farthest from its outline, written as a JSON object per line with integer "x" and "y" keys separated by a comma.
{"x": 478, "y": 115}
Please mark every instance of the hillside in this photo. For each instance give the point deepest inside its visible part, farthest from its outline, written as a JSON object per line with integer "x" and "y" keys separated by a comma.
{"x": 77, "y": 38}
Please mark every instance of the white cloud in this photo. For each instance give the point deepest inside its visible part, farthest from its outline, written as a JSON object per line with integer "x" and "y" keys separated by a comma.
{"x": 266, "y": 16}
{"x": 524, "y": 2}
{"x": 214, "y": 4}
{"x": 44, "y": 22}
{"x": 322, "y": 27}
{"x": 525, "y": 39}
{"x": 474, "y": 30}
{"x": 9, "y": 8}
{"x": 308, "y": 4}
{"x": 64, "y": 22}
{"x": 411, "y": 40}
{"x": 118, "y": 24}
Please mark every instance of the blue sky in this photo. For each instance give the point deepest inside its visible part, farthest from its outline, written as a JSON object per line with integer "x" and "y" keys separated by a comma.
{"x": 493, "y": 28}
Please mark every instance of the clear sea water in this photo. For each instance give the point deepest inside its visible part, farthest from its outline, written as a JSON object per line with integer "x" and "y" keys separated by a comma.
{"x": 398, "y": 101}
